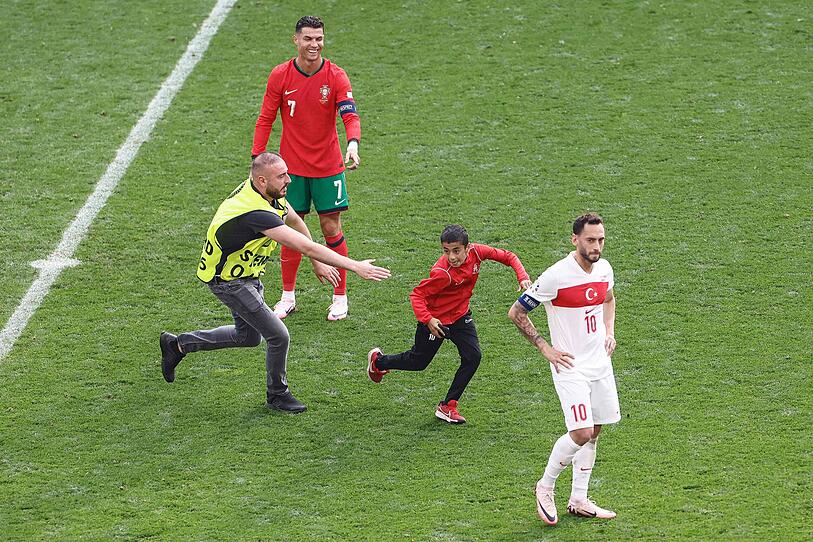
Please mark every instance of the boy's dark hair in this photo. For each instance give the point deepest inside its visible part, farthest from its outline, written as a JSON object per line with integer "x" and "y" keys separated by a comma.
{"x": 455, "y": 233}
{"x": 309, "y": 21}
{"x": 587, "y": 218}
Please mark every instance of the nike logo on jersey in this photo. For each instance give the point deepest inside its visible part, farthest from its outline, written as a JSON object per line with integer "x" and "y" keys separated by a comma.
{"x": 287, "y": 92}
{"x": 590, "y": 310}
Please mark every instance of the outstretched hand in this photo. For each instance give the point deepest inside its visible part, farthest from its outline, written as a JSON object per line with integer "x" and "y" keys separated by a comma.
{"x": 366, "y": 270}
{"x": 326, "y": 273}
{"x": 524, "y": 285}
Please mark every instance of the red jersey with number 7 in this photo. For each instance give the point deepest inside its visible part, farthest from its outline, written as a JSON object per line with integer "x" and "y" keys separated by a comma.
{"x": 446, "y": 293}
{"x": 308, "y": 106}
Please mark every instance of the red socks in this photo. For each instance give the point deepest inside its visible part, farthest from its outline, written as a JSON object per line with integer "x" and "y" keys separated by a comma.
{"x": 289, "y": 264}
{"x": 338, "y": 245}
{"x": 290, "y": 260}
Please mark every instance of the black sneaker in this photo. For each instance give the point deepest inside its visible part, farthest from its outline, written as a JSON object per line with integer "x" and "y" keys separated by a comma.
{"x": 170, "y": 356}
{"x": 286, "y": 402}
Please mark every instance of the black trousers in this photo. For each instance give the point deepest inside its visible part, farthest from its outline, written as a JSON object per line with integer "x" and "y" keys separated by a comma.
{"x": 464, "y": 336}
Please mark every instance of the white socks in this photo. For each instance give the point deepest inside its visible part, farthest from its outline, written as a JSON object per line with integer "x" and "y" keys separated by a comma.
{"x": 560, "y": 457}
{"x": 583, "y": 463}
{"x": 289, "y": 296}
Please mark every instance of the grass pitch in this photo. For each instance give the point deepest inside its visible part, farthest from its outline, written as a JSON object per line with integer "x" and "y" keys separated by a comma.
{"x": 686, "y": 125}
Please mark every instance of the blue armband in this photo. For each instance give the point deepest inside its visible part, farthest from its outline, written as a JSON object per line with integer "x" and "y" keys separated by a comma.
{"x": 528, "y": 302}
{"x": 346, "y": 107}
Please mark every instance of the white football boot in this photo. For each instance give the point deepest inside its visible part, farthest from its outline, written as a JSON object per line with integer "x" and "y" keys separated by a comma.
{"x": 338, "y": 309}
{"x": 285, "y": 306}
{"x": 588, "y": 509}
{"x": 545, "y": 505}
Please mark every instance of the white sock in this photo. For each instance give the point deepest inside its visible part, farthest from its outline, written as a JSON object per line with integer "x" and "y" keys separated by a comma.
{"x": 339, "y": 298}
{"x": 560, "y": 457}
{"x": 583, "y": 463}
{"x": 289, "y": 296}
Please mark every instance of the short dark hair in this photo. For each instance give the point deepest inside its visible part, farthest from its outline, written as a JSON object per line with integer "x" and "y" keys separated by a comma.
{"x": 586, "y": 218}
{"x": 455, "y": 233}
{"x": 309, "y": 21}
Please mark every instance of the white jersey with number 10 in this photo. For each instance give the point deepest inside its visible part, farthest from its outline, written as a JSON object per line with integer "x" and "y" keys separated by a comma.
{"x": 574, "y": 302}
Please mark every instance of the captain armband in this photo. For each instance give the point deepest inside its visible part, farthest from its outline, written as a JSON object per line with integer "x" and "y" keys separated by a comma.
{"x": 528, "y": 302}
{"x": 346, "y": 107}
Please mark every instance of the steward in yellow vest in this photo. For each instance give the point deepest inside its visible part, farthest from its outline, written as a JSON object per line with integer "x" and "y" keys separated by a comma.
{"x": 235, "y": 246}
{"x": 245, "y": 230}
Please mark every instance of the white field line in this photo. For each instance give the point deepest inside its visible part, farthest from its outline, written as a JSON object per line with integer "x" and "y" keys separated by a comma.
{"x": 62, "y": 256}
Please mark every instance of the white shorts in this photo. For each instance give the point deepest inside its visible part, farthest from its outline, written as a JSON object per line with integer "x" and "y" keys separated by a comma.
{"x": 588, "y": 403}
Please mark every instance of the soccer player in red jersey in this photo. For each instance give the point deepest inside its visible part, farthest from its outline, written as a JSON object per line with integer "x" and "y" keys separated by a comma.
{"x": 577, "y": 292}
{"x": 308, "y": 92}
{"x": 441, "y": 304}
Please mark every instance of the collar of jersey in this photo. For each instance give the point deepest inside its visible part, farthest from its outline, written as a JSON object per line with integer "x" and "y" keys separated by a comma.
{"x": 322, "y": 65}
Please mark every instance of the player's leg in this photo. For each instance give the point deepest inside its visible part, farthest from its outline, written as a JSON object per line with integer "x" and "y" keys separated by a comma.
{"x": 416, "y": 358}
{"x": 248, "y": 302}
{"x": 173, "y": 349}
{"x": 605, "y": 407}
{"x": 579, "y": 428}
{"x": 463, "y": 334}
{"x": 583, "y": 463}
{"x": 299, "y": 196}
{"x": 335, "y": 241}
{"x": 330, "y": 200}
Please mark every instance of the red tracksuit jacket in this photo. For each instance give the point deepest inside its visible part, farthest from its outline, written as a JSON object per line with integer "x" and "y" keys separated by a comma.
{"x": 446, "y": 293}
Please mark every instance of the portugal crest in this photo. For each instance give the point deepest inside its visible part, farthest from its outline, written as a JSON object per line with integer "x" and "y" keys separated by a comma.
{"x": 324, "y": 92}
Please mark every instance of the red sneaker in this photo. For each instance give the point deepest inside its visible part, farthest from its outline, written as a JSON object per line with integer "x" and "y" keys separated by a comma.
{"x": 372, "y": 371}
{"x": 449, "y": 413}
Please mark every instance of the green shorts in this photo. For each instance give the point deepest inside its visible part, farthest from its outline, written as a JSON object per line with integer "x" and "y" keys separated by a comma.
{"x": 329, "y": 194}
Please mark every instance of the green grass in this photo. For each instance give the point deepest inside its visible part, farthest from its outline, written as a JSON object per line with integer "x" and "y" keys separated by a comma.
{"x": 687, "y": 125}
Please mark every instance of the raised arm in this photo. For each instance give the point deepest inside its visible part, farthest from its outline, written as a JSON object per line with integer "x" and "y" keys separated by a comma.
{"x": 505, "y": 257}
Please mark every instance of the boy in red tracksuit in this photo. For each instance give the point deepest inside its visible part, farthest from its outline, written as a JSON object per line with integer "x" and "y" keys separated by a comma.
{"x": 441, "y": 304}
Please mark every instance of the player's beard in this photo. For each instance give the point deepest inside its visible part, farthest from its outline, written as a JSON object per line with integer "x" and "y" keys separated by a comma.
{"x": 592, "y": 258}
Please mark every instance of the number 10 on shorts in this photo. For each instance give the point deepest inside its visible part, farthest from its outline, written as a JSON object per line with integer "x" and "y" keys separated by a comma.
{"x": 579, "y": 412}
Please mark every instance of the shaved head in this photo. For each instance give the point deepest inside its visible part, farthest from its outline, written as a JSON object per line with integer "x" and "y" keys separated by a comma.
{"x": 262, "y": 161}
{"x": 269, "y": 175}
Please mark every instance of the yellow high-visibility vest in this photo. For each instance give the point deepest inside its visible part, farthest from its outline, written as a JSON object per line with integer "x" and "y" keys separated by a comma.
{"x": 230, "y": 251}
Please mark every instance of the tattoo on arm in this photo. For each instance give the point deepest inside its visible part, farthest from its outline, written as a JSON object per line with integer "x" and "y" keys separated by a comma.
{"x": 527, "y": 327}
